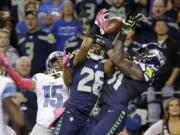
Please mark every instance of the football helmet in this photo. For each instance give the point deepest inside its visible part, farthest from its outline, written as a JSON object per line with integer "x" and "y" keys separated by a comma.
{"x": 152, "y": 55}
{"x": 97, "y": 50}
{"x": 57, "y": 55}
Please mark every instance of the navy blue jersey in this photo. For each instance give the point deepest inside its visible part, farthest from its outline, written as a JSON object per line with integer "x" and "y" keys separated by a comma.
{"x": 88, "y": 80}
{"x": 37, "y": 46}
{"x": 120, "y": 89}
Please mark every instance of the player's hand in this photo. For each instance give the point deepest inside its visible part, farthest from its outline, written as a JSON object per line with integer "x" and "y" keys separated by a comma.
{"x": 66, "y": 58}
{"x": 4, "y": 60}
{"x": 129, "y": 23}
{"x": 20, "y": 98}
{"x": 101, "y": 19}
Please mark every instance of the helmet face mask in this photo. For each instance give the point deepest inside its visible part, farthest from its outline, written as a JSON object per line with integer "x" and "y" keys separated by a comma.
{"x": 54, "y": 63}
{"x": 96, "y": 52}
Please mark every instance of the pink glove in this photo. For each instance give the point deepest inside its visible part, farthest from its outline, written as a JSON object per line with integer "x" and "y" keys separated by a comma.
{"x": 4, "y": 60}
{"x": 58, "y": 112}
{"x": 66, "y": 58}
{"x": 101, "y": 19}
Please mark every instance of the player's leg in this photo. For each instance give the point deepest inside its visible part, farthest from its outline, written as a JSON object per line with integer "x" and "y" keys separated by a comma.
{"x": 112, "y": 123}
{"x": 39, "y": 130}
{"x": 92, "y": 124}
{"x": 70, "y": 123}
{"x": 88, "y": 126}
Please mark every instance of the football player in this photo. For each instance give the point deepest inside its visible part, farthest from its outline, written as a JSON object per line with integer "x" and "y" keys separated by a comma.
{"x": 50, "y": 90}
{"x": 129, "y": 80}
{"x": 88, "y": 73}
{"x": 8, "y": 104}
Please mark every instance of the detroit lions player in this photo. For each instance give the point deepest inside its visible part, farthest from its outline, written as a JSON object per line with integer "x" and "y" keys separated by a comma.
{"x": 129, "y": 80}
{"x": 7, "y": 98}
{"x": 88, "y": 72}
{"x": 50, "y": 90}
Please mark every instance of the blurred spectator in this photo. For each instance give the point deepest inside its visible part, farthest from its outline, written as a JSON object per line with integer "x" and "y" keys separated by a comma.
{"x": 172, "y": 13}
{"x": 21, "y": 27}
{"x": 49, "y": 12}
{"x": 5, "y": 15}
{"x": 73, "y": 43}
{"x": 11, "y": 52}
{"x": 20, "y": 4}
{"x": 158, "y": 11}
{"x": 36, "y": 44}
{"x": 26, "y": 99}
{"x": 3, "y": 36}
{"x": 178, "y": 18}
{"x": 166, "y": 76}
{"x": 87, "y": 9}
{"x": 143, "y": 7}
{"x": 158, "y": 8}
{"x": 65, "y": 27}
{"x": 117, "y": 9}
{"x": 170, "y": 123}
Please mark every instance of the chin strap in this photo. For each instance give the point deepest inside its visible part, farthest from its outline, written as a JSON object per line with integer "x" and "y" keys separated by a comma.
{"x": 56, "y": 73}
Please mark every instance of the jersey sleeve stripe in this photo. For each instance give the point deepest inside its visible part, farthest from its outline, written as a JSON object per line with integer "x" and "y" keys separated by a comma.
{"x": 9, "y": 90}
{"x": 45, "y": 38}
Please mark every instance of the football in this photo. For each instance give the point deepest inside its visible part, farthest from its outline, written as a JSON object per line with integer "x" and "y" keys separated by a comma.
{"x": 113, "y": 25}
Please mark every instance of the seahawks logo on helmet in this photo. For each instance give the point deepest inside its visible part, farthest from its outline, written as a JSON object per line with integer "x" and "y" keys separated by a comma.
{"x": 154, "y": 56}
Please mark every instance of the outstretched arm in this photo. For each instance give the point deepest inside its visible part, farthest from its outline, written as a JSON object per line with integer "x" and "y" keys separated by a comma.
{"x": 83, "y": 51}
{"x": 88, "y": 41}
{"x": 123, "y": 64}
{"x": 117, "y": 57}
{"x": 20, "y": 82}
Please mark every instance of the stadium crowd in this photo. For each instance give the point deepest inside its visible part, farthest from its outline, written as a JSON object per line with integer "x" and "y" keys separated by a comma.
{"x": 32, "y": 30}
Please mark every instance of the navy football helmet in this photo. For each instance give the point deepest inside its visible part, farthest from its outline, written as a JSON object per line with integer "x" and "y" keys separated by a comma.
{"x": 97, "y": 50}
{"x": 152, "y": 55}
{"x": 57, "y": 55}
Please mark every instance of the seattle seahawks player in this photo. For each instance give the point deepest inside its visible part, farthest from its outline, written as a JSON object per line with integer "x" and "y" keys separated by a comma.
{"x": 129, "y": 80}
{"x": 7, "y": 104}
{"x": 88, "y": 72}
{"x": 50, "y": 90}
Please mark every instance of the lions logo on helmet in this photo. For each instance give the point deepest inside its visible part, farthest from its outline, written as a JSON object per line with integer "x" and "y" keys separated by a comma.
{"x": 54, "y": 56}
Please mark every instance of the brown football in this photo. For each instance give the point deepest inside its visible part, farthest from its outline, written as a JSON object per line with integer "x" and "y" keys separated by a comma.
{"x": 113, "y": 25}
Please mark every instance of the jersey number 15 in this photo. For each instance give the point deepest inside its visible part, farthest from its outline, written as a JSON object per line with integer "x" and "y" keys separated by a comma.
{"x": 52, "y": 96}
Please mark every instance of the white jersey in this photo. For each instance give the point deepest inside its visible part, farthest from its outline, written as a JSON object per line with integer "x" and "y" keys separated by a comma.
{"x": 51, "y": 94}
{"x": 7, "y": 88}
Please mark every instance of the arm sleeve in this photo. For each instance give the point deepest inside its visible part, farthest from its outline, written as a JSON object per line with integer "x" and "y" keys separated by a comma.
{"x": 9, "y": 90}
{"x": 21, "y": 82}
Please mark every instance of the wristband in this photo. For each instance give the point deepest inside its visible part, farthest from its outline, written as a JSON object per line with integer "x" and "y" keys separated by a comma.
{"x": 122, "y": 36}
